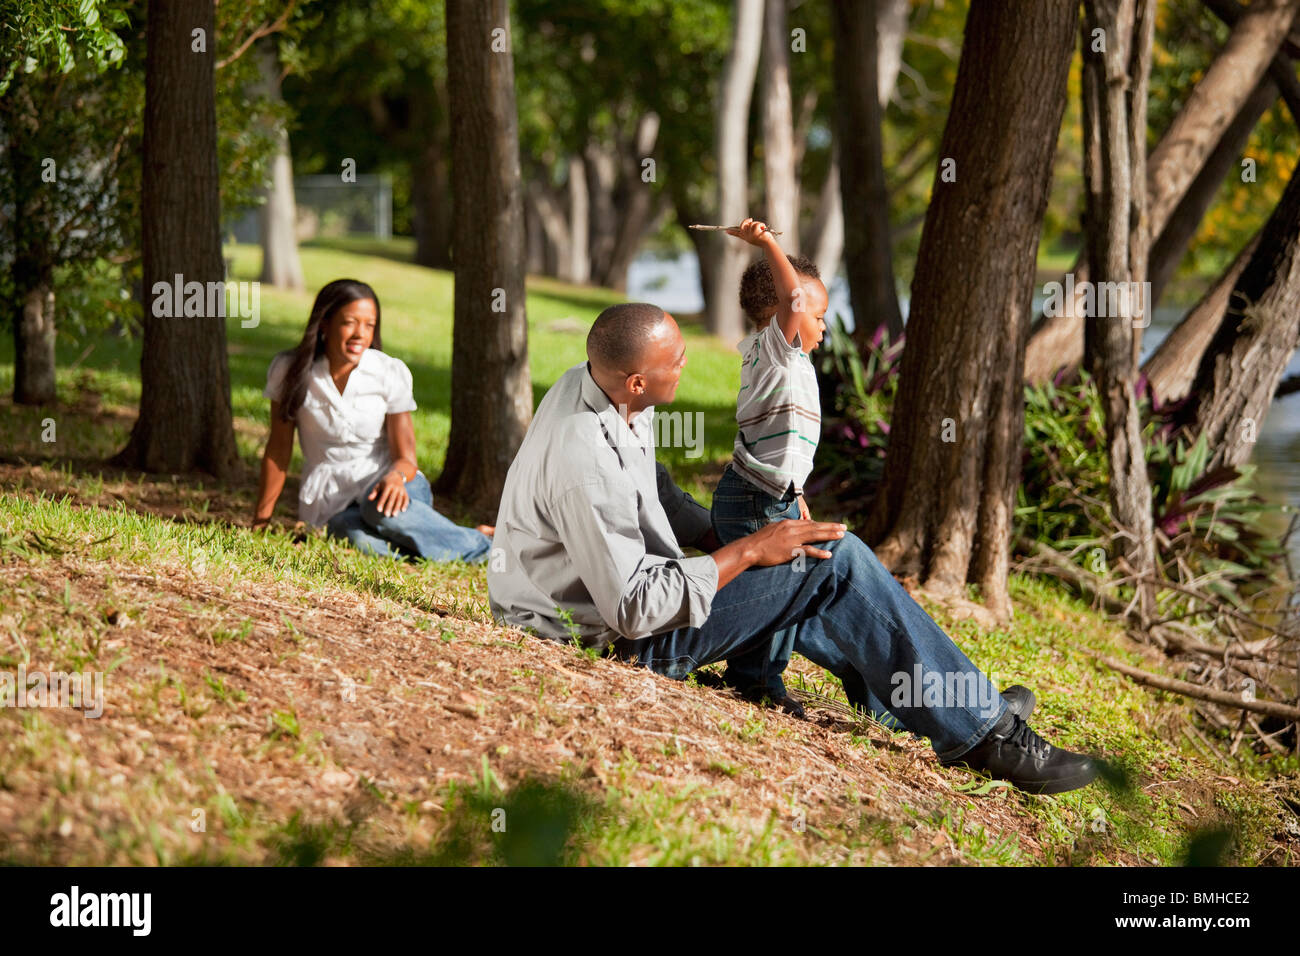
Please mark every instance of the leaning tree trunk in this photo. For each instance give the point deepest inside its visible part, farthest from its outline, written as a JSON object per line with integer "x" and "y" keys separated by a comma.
{"x": 780, "y": 174}
{"x": 729, "y": 256}
{"x": 1057, "y": 341}
{"x": 868, "y": 260}
{"x": 1171, "y": 245}
{"x": 944, "y": 510}
{"x": 185, "y": 421}
{"x": 1172, "y": 368}
{"x": 1252, "y": 346}
{"x": 491, "y": 390}
{"x": 1115, "y": 80}
{"x": 281, "y": 266}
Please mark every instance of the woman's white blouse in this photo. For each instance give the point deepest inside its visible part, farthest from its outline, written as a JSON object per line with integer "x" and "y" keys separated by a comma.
{"x": 343, "y": 438}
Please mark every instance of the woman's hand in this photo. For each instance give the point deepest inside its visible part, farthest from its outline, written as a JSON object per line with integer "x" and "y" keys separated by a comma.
{"x": 804, "y": 513}
{"x": 391, "y": 491}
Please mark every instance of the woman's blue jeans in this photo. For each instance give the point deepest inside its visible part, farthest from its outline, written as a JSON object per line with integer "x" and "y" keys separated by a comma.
{"x": 850, "y": 613}
{"x": 417, "y": 532}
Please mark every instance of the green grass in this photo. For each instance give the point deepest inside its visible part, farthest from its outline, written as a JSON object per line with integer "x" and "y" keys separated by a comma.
{"x": 625, "y": 820}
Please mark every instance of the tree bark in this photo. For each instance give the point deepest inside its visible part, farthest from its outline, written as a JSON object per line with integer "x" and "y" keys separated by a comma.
{"x": 826, "y": 235}
{"x": 431, "y": 179}
{"x": 868, "y": 260}
{"x": 944, "y": 509}
{"x": 578, "y": 267}
{"x": 1172, "y": 368}
{"x": 281, "y": 265}
{"x": 634, "y": 200}
{"x": 32, "y": 268}
{"x": 891, "y": 31}
{"x": 1172, "y": 243}
{"x": 1115, "y": 82}
{"x": 185, "y": 421}
{"x": 780, "y": 175}
{"x": 1240, "y": 370}
{"x": 34, "y": 338}
{"x": 1057, "y": 341}
{"x": 491, "y": 389}
{"x": 729, "y": 256}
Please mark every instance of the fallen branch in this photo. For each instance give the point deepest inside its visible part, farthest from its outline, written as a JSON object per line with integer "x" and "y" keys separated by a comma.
{"x": 1186, "y": 689}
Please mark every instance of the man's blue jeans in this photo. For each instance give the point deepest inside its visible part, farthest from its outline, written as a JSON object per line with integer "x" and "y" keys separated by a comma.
{"x": 850, "y": 612}
{"x": 418, "y": 532}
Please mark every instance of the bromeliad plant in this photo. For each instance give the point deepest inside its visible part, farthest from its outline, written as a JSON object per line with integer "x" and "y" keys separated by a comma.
{"x": 860, "y": 389}
{"x": 1212, "y": 529}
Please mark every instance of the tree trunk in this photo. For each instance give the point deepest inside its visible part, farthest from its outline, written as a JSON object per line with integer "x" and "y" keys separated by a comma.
{"x": 1114, "y": 135}
{"x": 1171, "y": 369}
{"x": 281, "y": 266}
{"x": 431, "y": 206}
{"x": 1240, "y": 370}
{"x": 491, "y": 390}
{"x": 431, "y": 179}
{"x": 32, "y": 266}
{"x": 635, "y": 201}
{"x": 780, "y": 175}
{"x": 34, "y": 337}
{"x": 891, "y": 31}
{"x": 578, "y": 265}
{"x": 185, "y": 421}
{"x": 1211, "y": 106}
{"x": 826, "y": 235}
{"x": 1172, "y": 243}
{"x": 729, "y": 256}
{"x": 868, "y": 261}
{"x": 944, "y": 509}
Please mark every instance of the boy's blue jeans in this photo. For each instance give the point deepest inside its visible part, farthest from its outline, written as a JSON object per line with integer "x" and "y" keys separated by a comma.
{"x": 851, "y": 614}
{"x": 418, "y": 532}
{"x": 740, "y": 509}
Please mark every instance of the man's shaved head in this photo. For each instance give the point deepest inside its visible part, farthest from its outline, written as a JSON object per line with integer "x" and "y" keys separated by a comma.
{"x": 619, "y": 336}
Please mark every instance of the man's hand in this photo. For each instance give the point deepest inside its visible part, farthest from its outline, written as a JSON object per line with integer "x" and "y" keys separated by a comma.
{"x": 773, "y": 544}
{"x": 804, "y": 513}
{"x": 392, "y": 494}
{"x": 753, "y": 232}
{"x": 782, "y": 541}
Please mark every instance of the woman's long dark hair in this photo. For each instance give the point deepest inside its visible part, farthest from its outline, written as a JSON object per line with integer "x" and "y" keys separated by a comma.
{"x": 329, "y": 300}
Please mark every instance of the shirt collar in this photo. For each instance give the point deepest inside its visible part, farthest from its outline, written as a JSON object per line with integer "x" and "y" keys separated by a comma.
{"x": 594, "y": 397}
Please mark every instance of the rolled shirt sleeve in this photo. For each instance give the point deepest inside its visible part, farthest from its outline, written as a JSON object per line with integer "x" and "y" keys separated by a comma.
{"x": 688, "y": 518}
{"x": 637, "y": 594}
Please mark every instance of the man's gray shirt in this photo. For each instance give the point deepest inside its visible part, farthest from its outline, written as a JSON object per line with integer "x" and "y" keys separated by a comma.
{"x": 590, "y": 524}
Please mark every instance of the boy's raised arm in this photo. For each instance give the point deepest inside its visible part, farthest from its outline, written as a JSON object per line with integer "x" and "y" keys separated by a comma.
{"x": 788, "y": 291}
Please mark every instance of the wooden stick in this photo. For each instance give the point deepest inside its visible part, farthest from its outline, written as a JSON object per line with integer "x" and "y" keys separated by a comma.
{"x": 725, "y": 228}
{"x": 1186, "y": 689}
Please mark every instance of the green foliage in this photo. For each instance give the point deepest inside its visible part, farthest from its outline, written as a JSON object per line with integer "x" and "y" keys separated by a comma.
{"x": 1211, "y": 526}
{"x": 57, "y": 33}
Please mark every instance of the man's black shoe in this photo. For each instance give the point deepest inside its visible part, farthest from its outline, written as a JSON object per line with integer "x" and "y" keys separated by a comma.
{"x": 1020, "y": 700}
{"x": 1013, "y": 752}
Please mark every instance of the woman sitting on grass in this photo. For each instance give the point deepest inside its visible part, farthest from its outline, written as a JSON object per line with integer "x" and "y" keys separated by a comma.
{"x": 352, "y": 406}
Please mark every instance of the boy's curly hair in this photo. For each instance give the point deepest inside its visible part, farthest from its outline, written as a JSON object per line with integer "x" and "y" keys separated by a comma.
{"x": 758, "y": 291}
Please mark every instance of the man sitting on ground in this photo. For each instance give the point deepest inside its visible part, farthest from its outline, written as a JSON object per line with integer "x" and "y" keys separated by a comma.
{"x": 591, "y": 531}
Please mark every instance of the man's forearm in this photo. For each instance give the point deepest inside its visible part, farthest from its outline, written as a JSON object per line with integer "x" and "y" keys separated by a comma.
{"x": 732, "y": 559}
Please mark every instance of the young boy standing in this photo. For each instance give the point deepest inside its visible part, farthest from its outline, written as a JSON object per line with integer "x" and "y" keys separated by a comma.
{"x": 778, "y": 414}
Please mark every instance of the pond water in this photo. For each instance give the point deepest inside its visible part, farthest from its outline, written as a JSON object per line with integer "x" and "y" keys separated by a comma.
{"x": 674, "y": 284}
